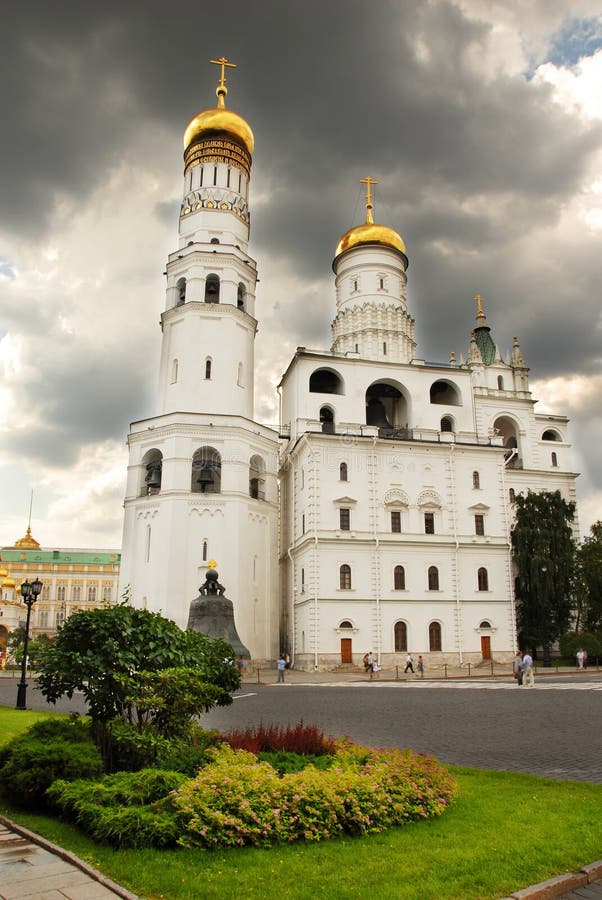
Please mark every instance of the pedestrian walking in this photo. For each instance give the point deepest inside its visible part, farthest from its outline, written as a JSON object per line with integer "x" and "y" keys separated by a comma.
{"x": 420, "y": 666}
{"x": 409, "y": 664}
{"x": 517, "y": 667}
{"x": 281, "y": 666}
{"x": 370, "y": 664}
{"x": 376, "y": 669}
{"x": 528, "y": 679}
{"x": 580, "y": 654}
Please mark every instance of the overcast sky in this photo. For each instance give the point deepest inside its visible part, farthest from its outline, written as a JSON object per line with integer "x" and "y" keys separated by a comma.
{"x": 480, "y": 119}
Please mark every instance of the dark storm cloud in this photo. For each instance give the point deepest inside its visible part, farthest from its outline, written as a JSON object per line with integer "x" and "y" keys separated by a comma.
{"x": 92, "y": 399}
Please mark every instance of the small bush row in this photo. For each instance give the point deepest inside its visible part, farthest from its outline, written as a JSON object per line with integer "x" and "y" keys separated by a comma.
{"x": 307, "y": 740}
{"x": 239, "y": 801}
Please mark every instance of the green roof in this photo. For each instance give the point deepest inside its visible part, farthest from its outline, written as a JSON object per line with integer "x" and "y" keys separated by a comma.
{"x": 64, "y": 557}
{"x": 486, "y": 345}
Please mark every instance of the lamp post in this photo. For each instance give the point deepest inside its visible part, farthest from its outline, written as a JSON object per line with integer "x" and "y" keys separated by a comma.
{"x": 30, "y": 591}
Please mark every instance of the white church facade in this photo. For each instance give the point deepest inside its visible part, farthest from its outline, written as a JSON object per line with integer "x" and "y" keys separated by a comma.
{"x": 378, "y": 516}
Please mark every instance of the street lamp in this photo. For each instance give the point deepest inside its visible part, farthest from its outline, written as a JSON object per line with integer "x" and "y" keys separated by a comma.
{"x": 30, "y": 591}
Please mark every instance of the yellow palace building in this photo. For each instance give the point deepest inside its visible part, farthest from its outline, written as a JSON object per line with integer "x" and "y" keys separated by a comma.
{"x": 72, "y": 579}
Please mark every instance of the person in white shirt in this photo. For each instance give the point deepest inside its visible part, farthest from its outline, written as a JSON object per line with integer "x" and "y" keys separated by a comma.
{"x": 528, "y": 679}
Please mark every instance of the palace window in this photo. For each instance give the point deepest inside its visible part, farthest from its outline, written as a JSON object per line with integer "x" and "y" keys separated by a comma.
{"x": 344, "y": 518}
{"x": 429, "y": 523}
{"x": 343, "y": 472}
{"x": 479, "y": 524}
{"x": 396, "y": 521}
{"x": 399, "y": 578}
{"x": 476, "y": 480}
{"x": 345, "y": 578}
{"x": 433, "y": 578}
{"x": 483, "y": 579}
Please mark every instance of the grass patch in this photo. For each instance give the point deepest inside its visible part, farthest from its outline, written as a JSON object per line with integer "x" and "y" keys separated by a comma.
{"x": 15, "y": 721}
{"x": 505, "y": 831}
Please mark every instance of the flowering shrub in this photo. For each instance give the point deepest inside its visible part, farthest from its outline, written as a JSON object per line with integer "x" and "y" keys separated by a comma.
{"x": 307, "y": 740}
{"x": 238, "y": 800}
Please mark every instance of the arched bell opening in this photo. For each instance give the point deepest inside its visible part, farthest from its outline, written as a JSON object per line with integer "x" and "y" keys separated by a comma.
{"x": 151, "y": 473}
{"x": 206, "y": 471}
{"x": 386, "y": 406}
{"x": 212, "y": 287}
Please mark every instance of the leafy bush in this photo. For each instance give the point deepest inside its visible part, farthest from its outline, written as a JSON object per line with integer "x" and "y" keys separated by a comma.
{"x": 98, "y": 651}
{"x": 581, "y": 640}
{"x": 50, "y": 749}
{"x": 126, "y": 809}
{"x": 285, "y": 762}
{"x": 189, "y": 754}
{"x": 238, "y": 800}
{"x": 307, "y": 740}
{"x": 132, "y": 748}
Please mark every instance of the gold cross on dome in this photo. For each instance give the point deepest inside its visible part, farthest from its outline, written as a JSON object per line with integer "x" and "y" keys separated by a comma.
{"x": 223, "y": 62}
{"x": 479, "y": 301}
{"x": 368, "y": 182}
{"x": 212, "y": 564}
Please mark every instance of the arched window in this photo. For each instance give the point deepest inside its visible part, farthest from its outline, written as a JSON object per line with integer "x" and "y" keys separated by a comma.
{"x": 345, "y": 578}
{"x": 240, "y": 375}
{"x": 76, "y": 594}
{"x": 174, "y": 371}
{"x": 447, "y": 424}
{"x": 433, "y": 577}
{"x": 346, "y": 624}
{"x": 445, "y": 393}
{"x": 208, "y": 362}
{"x": 554, "y": 460}
{"x": 327, "y": 420}
{"x": 91, "y": 594}
{"x": 500, "y": 382}
{"x": 204, "y": 551}
{"x": 483, "y": 579}
{"x": 343, "y": 472}
{"x": 511, "y": 495}
{"x": 256, "y": 478}
{"x": 60, "y": 593}
{"x": 325, "y": 381}
{"x": 399, "y": 578}
{"x": 401, "y": 637}
{"x": 485, "y": 624}
{"x": 181, "y": 291}
{"x": 386, "y": 406}
{"x": 434, "y": 637}
{"x": 302, "y": 581}
{"x": 241, "y": 296}
{"x": 212, "y": 288}
{"x": 206, "y": 471}
{"x": 476, "y": 480}
{"x": 550, "y": 435}
{"x": 106, "y": 594}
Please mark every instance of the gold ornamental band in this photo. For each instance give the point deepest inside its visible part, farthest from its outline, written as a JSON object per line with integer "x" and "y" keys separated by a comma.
{"x": 217, "y": 150}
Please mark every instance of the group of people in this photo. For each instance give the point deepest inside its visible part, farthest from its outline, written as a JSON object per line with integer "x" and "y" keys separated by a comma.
{"x": 522, "y": 669}
{"x": 372, "y": 668}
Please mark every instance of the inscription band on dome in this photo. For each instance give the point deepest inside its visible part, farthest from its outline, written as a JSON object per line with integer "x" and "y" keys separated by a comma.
{"x": 217, "y": 150}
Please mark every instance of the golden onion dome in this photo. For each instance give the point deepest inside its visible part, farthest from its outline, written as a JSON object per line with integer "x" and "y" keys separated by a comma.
{"x": 27, "y": 542}
{"x": 8, "y": 583}
{"x": 219, "y": 122}
{"x": 370, "y": 233}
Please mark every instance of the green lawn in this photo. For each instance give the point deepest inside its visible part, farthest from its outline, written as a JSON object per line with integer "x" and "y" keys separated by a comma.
{"x": 504, "y": 832}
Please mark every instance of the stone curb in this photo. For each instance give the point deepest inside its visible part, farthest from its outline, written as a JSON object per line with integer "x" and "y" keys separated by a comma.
{"x": 562, "y": 884}
{"x": 117, "y": 889}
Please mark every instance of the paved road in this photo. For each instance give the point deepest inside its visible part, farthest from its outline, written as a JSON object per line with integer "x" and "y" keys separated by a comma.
{"x": 469, "y": 723}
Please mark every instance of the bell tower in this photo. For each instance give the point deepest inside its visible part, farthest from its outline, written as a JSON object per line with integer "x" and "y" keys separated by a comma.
{"x": 202, "y": 473}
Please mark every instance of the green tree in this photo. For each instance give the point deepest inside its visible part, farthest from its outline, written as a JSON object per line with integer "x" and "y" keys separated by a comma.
{"x": 107, "y": 654}
{"x": 589, "y": 566}
{"x": 544, "y": 553}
